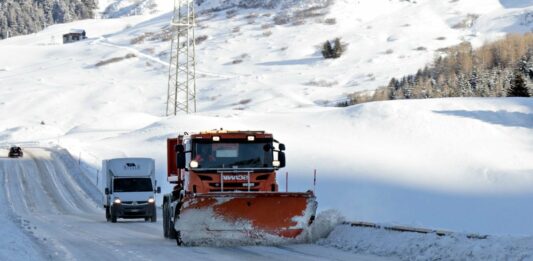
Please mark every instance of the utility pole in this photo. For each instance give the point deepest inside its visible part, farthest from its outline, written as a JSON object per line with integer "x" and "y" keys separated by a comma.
{"x": 181, "y": 96}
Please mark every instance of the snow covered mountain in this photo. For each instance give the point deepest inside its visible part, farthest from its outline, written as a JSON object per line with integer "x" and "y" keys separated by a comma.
{"x": 459, "y": 164}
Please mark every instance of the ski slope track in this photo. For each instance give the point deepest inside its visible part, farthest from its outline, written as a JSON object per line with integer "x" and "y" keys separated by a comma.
{"x": 61, "y": 221}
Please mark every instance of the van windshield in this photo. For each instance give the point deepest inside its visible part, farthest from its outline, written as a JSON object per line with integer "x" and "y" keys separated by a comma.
{"x": 132, "y": 185}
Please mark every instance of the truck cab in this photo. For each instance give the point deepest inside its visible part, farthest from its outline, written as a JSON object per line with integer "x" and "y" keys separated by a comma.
{"x": 223, "y": 161}
{"x": 225, "y": 189}
{"x": 130, "y": 189}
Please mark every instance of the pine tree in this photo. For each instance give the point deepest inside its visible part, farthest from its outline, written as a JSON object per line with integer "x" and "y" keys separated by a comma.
{"x": 29, "y": 16}
{"x": 334, "y": 50}
{"x": 327, "y": 50}
{"x": 338, "y": 48}
{"x": 518, "y": 87}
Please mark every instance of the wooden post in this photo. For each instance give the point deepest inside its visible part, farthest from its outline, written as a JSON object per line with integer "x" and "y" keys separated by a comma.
{"x": 314, "y": 181}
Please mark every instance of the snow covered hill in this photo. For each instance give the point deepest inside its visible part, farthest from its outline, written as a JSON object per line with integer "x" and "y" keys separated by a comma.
{"x": 457, "y": 164}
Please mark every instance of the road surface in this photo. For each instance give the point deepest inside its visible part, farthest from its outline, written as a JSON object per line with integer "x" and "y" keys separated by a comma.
{"x": 48, "y": 198}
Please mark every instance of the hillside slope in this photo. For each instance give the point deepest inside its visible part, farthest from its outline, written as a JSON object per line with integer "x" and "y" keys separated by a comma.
{"x": 461, "y": 164}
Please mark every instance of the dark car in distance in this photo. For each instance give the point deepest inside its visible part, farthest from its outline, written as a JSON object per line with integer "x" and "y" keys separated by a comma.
{"x": 15, "y": 152}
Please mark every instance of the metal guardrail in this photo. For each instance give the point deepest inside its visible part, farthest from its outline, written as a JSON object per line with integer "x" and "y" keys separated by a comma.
{"x": 411, "y": 229}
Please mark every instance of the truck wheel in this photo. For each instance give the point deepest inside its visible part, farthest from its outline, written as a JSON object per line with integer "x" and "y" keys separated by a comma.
{"x": 113, "y": 219}
{"x": 171, "y": 232}
{"x": 154, "y": 218}
{"x": 166, "y": 219}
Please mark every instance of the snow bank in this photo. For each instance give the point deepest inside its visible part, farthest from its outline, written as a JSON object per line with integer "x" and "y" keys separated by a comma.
{"x": 413, "y": 246}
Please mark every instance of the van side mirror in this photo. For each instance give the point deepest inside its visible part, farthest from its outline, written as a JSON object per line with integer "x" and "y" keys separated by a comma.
{"x": 281, "y": 158}
{"x": 158, "y": 190}
{"x": 281, "y": 146}
{"x": 106, "y": 191}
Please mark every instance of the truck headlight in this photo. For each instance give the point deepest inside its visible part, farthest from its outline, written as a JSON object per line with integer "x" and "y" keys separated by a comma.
{"x": 276, "y": 163}
{"x": 194, "y": 164}
{"x": 151, "y": 200}
{"x": 117, "y": 201}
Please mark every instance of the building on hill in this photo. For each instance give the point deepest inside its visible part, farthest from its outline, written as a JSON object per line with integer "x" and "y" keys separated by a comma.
{"x": 74, "y": 35}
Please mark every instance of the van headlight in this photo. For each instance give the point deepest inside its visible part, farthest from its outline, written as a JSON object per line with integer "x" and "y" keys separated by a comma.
{"x": 117, "y": 201}
{"x": 151, "y": 200}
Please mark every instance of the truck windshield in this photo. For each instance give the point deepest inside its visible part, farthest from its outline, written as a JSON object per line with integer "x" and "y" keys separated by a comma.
{"x": 132, "y": 185}
{"x": 232, "y": 155}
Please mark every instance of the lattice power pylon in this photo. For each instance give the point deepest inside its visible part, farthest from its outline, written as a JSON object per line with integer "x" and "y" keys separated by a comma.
{"x": 182, "y": 70}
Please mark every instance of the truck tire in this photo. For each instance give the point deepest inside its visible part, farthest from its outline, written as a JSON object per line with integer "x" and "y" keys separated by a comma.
{"x": 166, "y": 219}
{"x": 153, "y": 219}
{"x": 171, "y": 230}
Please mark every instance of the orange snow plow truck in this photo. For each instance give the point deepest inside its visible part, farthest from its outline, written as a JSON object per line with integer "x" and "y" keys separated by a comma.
{"x": 226, "y": 191}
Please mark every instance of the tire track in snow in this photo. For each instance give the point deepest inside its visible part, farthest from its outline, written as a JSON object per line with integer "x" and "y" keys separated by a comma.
{"x": 26, "y": 212}
{"x": 11, "y": 189}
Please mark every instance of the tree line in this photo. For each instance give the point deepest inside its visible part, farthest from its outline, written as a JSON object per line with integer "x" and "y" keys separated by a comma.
{"x": 18, "y": 17}
{"x": 498, "y": 69}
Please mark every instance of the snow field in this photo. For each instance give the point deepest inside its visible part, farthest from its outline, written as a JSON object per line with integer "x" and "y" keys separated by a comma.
{"x": 456, "y": 164}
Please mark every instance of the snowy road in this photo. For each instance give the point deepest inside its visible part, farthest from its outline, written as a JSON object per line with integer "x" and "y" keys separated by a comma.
{"x": 54, "y": 208}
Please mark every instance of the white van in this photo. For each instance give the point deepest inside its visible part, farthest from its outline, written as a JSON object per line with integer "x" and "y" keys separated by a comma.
{"x": 130, "y": 189}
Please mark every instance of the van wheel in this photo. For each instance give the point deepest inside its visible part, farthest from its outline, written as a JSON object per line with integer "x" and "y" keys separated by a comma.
{"x": 112, "y": 214}
{"x": 107, "y": 214}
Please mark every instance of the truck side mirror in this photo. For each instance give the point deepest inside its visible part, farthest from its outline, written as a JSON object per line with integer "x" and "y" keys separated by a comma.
{"x": 281, "y": 158}
{"x": 158, "y": 190}
{"x": 179, "y": 148}
{"x": 180, "y": 160}
{"x": 281, "y": 146}
{"x": 106, "y": 191}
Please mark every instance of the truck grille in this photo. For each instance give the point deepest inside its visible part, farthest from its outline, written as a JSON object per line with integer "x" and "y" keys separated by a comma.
{"x": 233, "y": 186}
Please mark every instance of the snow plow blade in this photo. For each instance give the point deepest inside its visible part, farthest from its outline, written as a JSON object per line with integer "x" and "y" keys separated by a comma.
{"x": 245, "y": 218}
